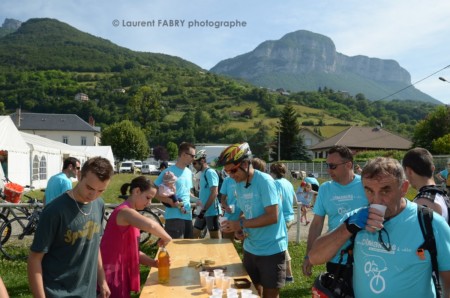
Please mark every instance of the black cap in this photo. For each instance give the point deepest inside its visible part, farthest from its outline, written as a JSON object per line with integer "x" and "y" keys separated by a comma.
{"x": 164, "y": 165}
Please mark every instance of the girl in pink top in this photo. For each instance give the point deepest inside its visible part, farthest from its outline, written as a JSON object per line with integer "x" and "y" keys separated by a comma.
{"x": 120, "y": 242}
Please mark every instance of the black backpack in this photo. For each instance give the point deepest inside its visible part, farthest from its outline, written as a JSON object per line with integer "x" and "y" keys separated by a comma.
{"x": 425, "y": 216}
{"x": 429, "y": 192}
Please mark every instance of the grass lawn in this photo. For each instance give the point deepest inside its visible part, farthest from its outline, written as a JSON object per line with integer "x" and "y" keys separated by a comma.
{"x": 14, "y": 273}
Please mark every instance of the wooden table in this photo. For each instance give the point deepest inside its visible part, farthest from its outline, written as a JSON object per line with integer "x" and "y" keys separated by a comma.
{"x": 185, "y": 280}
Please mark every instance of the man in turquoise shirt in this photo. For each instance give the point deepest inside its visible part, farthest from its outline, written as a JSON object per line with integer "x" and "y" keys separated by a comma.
{"x": 259, "y": 219}
{"x": 386, "y": 258}
{"x": 336, "y": 197}
{"x": 60, "y": 183}
{"x": 179, "y": 220}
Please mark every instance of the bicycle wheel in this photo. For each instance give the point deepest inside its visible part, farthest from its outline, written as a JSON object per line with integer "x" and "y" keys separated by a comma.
{"x": 147, "y": 239}
{"x": 18, "y": 242}
{"x": 7, "y": 231}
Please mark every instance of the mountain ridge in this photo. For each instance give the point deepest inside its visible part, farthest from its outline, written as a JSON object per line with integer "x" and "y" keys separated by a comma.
{"x": 308, "y": 61}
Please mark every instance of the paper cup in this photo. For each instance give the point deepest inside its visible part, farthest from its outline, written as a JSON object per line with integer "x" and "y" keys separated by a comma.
{"x": 379, "y": 207}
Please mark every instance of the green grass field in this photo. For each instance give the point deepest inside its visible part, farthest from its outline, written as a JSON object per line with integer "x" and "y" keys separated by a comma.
{"x": 14, "y": 273}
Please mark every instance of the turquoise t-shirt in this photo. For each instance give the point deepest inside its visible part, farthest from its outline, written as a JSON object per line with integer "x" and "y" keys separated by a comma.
{"x": 399, "y": 272}
{"x": 229, "y": 189}
{"x": 56, "y": 186}
{"x": 208, "y": 179}
{"x": 335, "y": 200}
{"x": 287, "y": 192}
{"x": 183, "y": 185}
{"x": 262, "y": 192}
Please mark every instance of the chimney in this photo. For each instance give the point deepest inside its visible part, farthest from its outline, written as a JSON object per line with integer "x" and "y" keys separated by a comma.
{"x": 91, "y": 121}
{"x": 18, "y": 117}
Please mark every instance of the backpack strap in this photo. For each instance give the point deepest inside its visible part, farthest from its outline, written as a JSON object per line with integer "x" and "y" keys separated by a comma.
{"x": 425, "y": 216}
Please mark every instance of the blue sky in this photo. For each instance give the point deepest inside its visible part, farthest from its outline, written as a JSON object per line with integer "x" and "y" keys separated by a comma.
{"x": 415, "y": 33}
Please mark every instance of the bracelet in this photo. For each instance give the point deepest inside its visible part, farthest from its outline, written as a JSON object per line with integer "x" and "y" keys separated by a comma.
{"x": 306, "y": 257}
{"x": 241, "y": 223}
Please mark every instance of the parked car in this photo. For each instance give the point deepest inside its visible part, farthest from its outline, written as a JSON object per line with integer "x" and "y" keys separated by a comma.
{"x": 127, "y": 167}
{"x": 138, "y": 164}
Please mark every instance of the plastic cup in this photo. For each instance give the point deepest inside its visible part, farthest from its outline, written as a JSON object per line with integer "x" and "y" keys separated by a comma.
{"x": 217, "y": 292}
{"x": 226, "y": 282}
{"x": 231, "y": 292}
{"x": 246, "y": 293}
{"x": 218, "y": 272}
{"x": 219, "y": 280}
{"x": 222, "y": 219}
{"x": 209, "y": 284}
{"x": 379, "y": 207}
{"x": 203, "y": 275}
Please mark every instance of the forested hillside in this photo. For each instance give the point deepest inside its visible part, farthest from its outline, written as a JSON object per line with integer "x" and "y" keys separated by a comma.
{"x": 46, "y": 62}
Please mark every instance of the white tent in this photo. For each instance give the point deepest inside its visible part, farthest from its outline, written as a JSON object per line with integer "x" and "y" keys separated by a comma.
{"x": 18, "y": 152}
{"x": 47, "y": 157}
{"x": 103, "y": 151}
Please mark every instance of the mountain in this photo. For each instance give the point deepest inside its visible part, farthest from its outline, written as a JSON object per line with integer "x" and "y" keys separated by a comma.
{"x": 307, "y": 61}
{"x": 46, "y": 44}
{"x": 9, "y": 26}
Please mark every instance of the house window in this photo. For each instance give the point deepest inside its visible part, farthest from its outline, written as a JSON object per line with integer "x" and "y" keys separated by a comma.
{"x": 83, "y": 141}
{"x": 43, "y": 168}
{"x": 65, "y": 139}
{"x": 35, "y": 168}
{"x": 308, "y": 142}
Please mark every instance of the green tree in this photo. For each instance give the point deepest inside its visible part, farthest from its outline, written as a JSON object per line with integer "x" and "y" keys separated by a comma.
{"x": 441, "y": 145}
{"x": 126, "y": 140}
{"x": 172, "y": 149}
{"x": 434, "y": 126}
{"x": 260, "y": 142}
{"x": 299, "y": 150}
{"x": 286, "y": 135}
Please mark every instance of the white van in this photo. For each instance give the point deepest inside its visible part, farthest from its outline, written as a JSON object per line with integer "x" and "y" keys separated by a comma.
{"x": 127, "y": 167}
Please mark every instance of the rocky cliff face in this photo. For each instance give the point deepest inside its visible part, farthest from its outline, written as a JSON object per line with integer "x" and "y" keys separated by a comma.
{"x": 303, "y": 52}
{"x": 11, "y": 24}
{"x": 305, "y": 61}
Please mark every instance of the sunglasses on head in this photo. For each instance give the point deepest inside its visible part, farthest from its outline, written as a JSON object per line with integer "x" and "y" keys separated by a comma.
{"x": 333, "y": 166}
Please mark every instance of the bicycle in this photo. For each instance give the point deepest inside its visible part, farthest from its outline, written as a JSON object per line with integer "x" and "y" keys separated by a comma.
{"x": 17, "y": 233}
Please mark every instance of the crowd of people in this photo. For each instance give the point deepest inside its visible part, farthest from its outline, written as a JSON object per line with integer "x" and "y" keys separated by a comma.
{"x": 72, "y": 255}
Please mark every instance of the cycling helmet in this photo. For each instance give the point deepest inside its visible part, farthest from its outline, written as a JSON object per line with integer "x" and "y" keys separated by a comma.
{"x": 200, "y": 154}
{"x": 234, "y": 154}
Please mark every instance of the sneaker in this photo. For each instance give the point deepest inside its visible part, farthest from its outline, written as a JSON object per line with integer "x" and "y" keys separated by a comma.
{"x": 289, "y": 279}
{"x": 307, "y": 222}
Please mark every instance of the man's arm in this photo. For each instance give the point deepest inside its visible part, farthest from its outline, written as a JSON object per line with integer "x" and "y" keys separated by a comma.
{"x": 326, "y": 246}
{"x": 269, "y": 217}
{"x": 315, "y": 229}
{"x": 445, "y": 278}
{"x": 101, "y": 279}
{"x": 212, "y": 197}
{"x": 34, "y": 269}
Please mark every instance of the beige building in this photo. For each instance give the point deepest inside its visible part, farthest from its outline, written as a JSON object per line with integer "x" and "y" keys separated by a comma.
{"x": 65, "y": 128}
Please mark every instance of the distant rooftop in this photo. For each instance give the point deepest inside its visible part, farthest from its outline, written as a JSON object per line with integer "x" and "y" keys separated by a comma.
{"x": 42, "y": 121}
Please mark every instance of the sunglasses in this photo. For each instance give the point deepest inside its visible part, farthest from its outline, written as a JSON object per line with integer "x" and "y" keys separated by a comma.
{"x": 233, "y": 170}
{"x": 78, "y": 168}
{"x": 382, "y": 236}
{"x": 333, "y": 166}
{"x": 191, "y": 155}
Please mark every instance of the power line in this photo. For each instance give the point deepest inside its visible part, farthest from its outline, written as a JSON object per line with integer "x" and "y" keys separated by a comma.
{"x": 414, "y": 83}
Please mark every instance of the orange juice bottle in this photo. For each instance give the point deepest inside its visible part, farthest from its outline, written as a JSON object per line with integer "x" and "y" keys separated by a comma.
{"x": 163, "y": 266}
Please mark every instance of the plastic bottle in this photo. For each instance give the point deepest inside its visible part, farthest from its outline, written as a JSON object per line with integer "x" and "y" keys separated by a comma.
{"x": 163, "y": 266}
